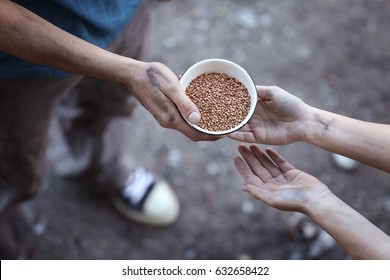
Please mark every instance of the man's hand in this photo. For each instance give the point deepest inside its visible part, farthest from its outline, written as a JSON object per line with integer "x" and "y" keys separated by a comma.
{"x": 159, "y": 91}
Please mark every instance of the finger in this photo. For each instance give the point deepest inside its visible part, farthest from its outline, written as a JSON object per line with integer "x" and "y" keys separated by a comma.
{"x": 242, "y": 136}
{"x": 196, "y": 135}
{"x": 260, "y": 193}
{"x": 257, "y": 168}
{"x": 265, "y": 161}
{"x": 279, "y": 160}
{"x": 162, "y": 77}
{"x": 244, "y": 170}
{"x": 245, "y": 128}
{"x": 263, "y": 92}
{"x": 186, "y": 107}
{"x": 256, "y": 190}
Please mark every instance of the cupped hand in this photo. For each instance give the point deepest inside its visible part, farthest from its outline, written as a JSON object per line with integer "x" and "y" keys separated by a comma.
{"x": 274, "y": 181}
{"x": 159, "y": 91}
{"x": 279, "y": 118}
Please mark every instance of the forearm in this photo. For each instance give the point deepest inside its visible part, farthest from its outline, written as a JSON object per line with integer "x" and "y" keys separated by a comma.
{"x": 362, "y": 141}
{"x": 358, "y": 236}
{"x": 32, "y": 38}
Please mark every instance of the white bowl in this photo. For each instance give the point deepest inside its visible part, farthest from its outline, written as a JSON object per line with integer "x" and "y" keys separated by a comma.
{"x": 227, "y": 67}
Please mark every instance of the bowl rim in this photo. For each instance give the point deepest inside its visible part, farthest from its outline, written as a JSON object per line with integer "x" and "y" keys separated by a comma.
{"x": 252, "y": 109}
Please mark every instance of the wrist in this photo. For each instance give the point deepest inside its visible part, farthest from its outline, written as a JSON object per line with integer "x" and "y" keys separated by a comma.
{"x": 317, "y": 123}
{"x": 322, "y": 205}
{"x": 128, "y": 73}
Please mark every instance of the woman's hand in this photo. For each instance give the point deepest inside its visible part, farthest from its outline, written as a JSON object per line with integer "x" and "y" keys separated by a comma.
{"x": 279, "y": 118}
{"x": 276, "y": 182}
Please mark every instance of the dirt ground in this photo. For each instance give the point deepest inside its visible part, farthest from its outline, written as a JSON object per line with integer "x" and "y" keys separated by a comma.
{"x": 333, "y": 54}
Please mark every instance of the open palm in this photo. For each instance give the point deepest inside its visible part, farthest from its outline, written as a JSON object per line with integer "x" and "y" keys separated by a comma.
{"x": 276, "y": 182}
{"x": 278, "y": 118}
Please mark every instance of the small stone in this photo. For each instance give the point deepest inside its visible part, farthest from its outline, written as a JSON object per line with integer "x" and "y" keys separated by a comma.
{"x": 174, "y": 158}
{"x": 39, "y": 229}
{"x": 345, "y": 163}
{"x": 247, "y": 207}
{"x": 213, "y": 168}
{"x": 247, "y": 19}
{"x": 322, "y": 243}
{"x": 309, "y": 230}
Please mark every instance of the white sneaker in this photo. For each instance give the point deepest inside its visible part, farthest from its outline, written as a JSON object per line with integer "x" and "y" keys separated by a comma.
{"x": 147, "y": 200}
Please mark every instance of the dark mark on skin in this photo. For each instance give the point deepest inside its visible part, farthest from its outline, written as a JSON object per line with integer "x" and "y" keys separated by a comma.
{"x": 154, "y": 75}
{"x": 324, "y": 124}
{"x": 171, "y": 117}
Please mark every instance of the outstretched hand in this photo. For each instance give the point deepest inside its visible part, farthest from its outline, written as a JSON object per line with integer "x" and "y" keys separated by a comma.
{"x": 274, "y": 181}
{"x": 279, "y": 118}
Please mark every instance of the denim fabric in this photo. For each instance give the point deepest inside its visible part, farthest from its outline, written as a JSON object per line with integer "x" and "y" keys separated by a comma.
{"x": 96, "y": 21}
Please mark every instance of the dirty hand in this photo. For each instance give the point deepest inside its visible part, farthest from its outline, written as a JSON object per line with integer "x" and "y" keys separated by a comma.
{"x": 279, "y": 118}
{"x": 159, "y": 91}
{"x": 274, "y": 181}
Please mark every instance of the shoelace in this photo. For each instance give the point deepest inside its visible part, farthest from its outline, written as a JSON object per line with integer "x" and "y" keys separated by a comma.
{"x": 138, "y": 185}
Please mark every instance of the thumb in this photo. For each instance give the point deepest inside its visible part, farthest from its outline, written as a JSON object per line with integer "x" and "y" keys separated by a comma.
{"x": 171, "y": 87}
{"x": 187, "y": 108}
{"x": 264, "y": 92}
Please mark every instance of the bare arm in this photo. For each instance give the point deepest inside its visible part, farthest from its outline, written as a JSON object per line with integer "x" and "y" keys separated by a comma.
{"x": 362, "y": 141}
{"x": 282, "y": 118}
{"x": 358, "y": 236}
{"x": 280, "y": 185}
{"x": 28, "y": 36}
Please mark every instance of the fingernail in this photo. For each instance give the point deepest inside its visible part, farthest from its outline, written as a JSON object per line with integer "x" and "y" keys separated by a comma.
{"x": 194, "y": 117}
